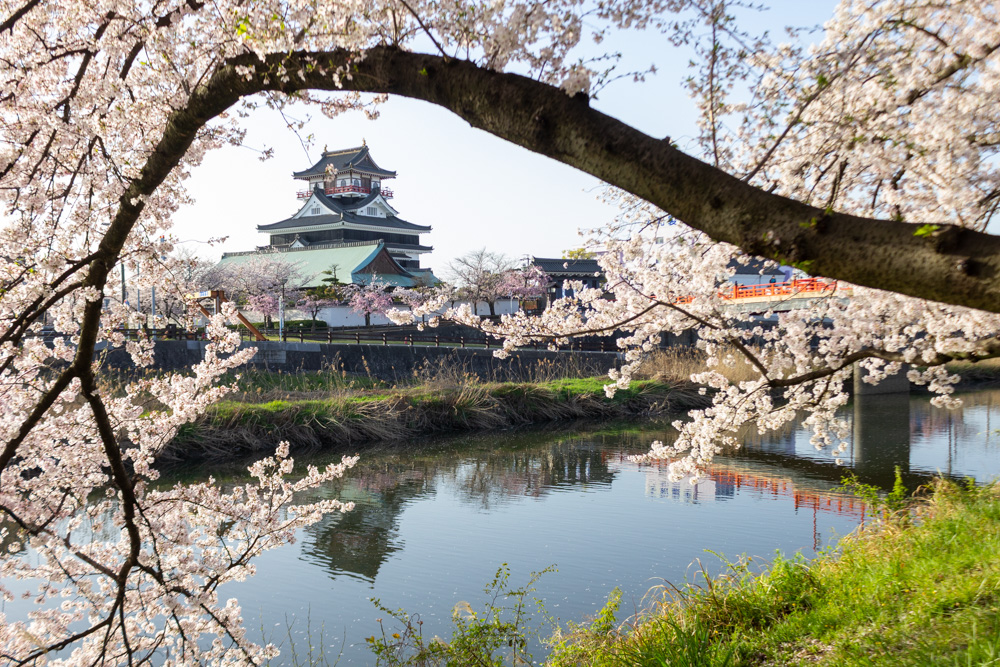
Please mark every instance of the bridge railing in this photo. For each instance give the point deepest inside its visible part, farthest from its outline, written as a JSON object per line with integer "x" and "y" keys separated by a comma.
{"x": 783, "y": 289}
{"x": 790, "y": 288}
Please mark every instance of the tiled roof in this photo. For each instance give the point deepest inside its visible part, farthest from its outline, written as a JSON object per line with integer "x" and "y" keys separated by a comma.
{"x": 346, "y": 203}
{"x": 754, "y": 266}
{"x": 343, "y": 160}
{"x": 323, "y": 220}
{"x": 407, "y": 246}
{"x": 343, "y": 211}
{"x": 312, "y": 261}
{"x": 562, "y": 267}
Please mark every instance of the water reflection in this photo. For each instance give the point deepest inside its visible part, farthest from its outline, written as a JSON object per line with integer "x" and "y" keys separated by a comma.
{"x": 497, "y": 474}
{"x": 488, "y": 473}
{"x": 433, "y": 520}
{"x": 881, "y": 437}
{"x": 896, "y": 430}
{"x": 382, "y": 487}
{"x": 360, "y": 541}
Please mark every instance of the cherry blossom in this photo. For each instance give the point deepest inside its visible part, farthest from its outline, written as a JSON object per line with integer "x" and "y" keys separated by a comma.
{"x": 865, "y": 152}
{"x": 371, "y": 298}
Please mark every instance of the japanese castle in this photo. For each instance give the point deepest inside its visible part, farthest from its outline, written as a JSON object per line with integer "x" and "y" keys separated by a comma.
{"x": 346, "y": 227}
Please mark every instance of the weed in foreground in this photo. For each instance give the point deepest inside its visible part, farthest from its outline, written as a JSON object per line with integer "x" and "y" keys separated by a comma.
{"x": 498, "y": 635}
{"x": 877, "y": 502}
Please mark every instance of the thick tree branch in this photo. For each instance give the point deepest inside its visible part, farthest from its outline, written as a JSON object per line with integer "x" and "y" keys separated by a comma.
{"x": 9, "y": 22}
{"x": 956, "y": 265}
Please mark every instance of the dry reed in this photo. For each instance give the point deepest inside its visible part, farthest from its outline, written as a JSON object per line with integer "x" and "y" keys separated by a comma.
{"x": 680, "y": 363}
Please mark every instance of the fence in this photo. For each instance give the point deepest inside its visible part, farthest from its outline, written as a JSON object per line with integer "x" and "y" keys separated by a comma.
{"x": 384, "y": 337}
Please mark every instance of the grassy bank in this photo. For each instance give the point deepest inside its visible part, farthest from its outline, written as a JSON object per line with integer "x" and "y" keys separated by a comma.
{"x": 923, "y": 591}
{"x": 345, "y": 415}
{"x": 979, "y": 373}
{"x": 336, "y": 409}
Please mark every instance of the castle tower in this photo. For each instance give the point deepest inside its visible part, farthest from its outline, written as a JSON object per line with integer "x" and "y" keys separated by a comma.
{"x": 344, "y": 210}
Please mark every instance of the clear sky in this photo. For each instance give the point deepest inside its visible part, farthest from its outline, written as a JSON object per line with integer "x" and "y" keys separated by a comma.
{"x": 474, "y": 189}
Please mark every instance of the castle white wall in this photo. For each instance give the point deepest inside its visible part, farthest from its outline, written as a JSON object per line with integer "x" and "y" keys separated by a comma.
{"x": 343, "y": 316}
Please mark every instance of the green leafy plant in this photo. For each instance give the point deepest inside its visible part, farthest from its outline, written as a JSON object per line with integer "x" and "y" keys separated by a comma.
{"x": 892, "y": 502}
{"x": 926, "y": 230}
{"x": 497, "y": 635}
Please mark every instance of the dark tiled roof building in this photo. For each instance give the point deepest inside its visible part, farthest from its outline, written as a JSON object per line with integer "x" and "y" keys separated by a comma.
{"x": 587, "y": 271}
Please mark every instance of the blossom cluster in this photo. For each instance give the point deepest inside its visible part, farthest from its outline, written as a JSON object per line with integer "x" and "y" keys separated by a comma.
{"x": 107, "y": 107}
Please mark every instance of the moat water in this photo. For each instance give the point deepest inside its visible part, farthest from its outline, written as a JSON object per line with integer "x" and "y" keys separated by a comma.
{"x": 435, "y": 519}
{"x": 433, "y": 523}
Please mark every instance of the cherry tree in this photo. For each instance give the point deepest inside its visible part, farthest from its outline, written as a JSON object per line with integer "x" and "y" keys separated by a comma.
{"x": 263, "y": 283}
{"x": 529, "y": 282}
{"x": 865, "y": 153}
{"x": 265, "y": 304}
{"x": 417, "y": 297}
{"x": 259, "y": 276}
{"x": 371, "y": 298}
{"x": 313, "y": 301}
{"x": 481, "y": 275}
{"x": 185, "y": 272}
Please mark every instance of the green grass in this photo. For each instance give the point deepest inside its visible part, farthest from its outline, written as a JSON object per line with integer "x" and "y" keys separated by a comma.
{"x": 294, "y": 409}
{"x": 250, "y": 382}
{"x": 906, "y": 591}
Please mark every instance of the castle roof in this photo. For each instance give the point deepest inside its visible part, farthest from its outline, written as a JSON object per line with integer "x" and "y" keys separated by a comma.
{"x": 343, "y": 211}
{"x": 567, "y": 267}
{"x": 754, "y": 266}
{"x": 356, "y": 263}
{"x": 356, "y": 159}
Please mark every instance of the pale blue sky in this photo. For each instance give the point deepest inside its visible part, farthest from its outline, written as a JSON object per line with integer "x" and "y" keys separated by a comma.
{"x": 474, "y": 190}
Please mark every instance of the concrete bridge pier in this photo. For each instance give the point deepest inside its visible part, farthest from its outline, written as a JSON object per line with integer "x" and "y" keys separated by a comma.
{"x": 881, "y": 438}
{"x": 894, "y": 384}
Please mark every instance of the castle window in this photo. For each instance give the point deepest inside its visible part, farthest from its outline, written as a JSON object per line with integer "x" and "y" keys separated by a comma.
{"x": 315, "y": 210}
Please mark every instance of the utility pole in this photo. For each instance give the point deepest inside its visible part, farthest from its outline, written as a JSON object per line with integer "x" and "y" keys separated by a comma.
{"x": 281, "y": 315}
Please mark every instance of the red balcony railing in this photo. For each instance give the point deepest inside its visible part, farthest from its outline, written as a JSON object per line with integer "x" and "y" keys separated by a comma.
{"x": 342, "y": 189}
{"x": 777, "y": 291}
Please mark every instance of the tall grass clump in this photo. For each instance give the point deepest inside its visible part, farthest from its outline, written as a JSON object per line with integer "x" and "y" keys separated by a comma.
{"x": 678, "y": 364}
{"x": 334, "y": 409}
{"x": 980, "y": 371}
{"x": 343, "y": 418}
